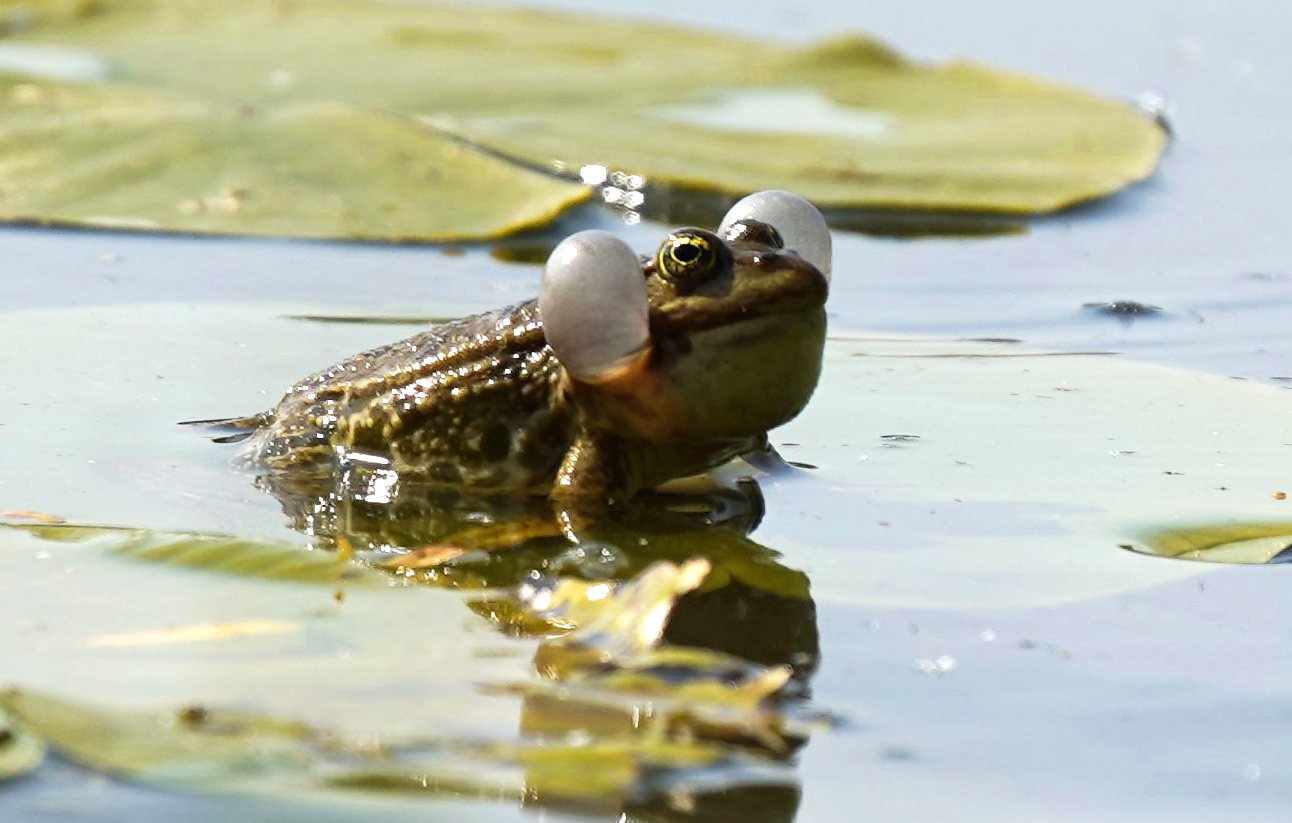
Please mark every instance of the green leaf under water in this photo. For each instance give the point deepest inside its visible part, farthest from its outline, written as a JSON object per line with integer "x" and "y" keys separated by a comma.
{"x": 337, "y": 118}
{"x": 189, "y": 745}
{"x": 20, "y": 752}
{"x": 217, "y": 750}
{"x": 615, "y": 675}
{"x": 228, "y": 554}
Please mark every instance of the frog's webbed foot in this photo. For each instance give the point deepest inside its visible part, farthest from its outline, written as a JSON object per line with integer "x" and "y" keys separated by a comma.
{"x": 766, "y": 459}
{"x": 702, "y": 502}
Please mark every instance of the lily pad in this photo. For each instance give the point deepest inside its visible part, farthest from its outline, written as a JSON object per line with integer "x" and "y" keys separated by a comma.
{"x": 690, "y": 704}
{"x": 335, "y": 118}
{"x": 982, "y": 474}
{"x": 1241, "y": 542}
{"x": 848, "y": 133}
{"x": 119, "y": 157}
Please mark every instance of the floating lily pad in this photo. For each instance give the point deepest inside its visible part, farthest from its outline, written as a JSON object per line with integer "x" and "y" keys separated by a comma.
{"x": 344, "y": 119}
{"x": 862, "y": 135}
{"x": 985, "y": 474}
{"x": 691, "y": 702}
{"x": 1242, "y": 542}
{"x": 118, "y": 157}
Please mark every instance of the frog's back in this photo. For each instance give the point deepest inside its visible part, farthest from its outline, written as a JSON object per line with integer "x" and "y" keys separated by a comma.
{"x": 475, "y": 402}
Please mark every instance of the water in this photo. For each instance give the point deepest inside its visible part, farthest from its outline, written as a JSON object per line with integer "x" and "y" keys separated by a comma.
{"x": 991, "y": 652}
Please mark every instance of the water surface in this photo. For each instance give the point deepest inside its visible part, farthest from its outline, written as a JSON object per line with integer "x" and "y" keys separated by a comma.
{"x": 991, "y": 652}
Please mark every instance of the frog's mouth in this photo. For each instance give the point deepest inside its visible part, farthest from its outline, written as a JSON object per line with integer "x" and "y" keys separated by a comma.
{"x": 735, "y": 380}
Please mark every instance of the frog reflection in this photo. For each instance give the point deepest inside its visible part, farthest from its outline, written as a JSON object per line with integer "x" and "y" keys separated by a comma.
{"x": 751, "y": 605}
{"x": 750, "y": 608}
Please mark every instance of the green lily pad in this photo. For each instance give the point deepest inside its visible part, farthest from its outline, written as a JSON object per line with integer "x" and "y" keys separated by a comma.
{"x": 335, "y": 118}
{"x": 857, "y": 132}
{"x": 1241, "y": 542}
{"x": 118, "y": 157}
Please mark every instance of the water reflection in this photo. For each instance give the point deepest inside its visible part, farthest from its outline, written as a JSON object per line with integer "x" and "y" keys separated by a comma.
{"x": 732, "y": 673}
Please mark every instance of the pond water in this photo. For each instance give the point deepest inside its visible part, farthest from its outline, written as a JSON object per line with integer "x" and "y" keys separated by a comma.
{"x": 979, "y": 639}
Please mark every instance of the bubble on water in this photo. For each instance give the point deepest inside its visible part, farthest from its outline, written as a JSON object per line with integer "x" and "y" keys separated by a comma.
{"x": 937, "y": 667}
{"x": 590, "y": 560}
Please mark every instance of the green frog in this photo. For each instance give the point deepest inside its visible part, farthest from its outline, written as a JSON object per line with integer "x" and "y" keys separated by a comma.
{"x": 623, "y": 374}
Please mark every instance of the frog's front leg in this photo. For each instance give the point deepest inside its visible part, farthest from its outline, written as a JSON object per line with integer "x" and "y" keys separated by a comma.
{"x": 590, "y": 477}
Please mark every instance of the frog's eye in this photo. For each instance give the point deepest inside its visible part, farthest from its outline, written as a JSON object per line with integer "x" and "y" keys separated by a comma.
{"x": 798, "y": 221}
{"x": 689, "y": 255}
{"x": 592, "y": 300}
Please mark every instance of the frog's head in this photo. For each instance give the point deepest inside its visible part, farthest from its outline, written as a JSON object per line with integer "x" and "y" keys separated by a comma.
{"x": 717, "y": 335}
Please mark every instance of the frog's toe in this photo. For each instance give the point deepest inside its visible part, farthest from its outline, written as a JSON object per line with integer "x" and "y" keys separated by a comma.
{"x": 231, "y": 429}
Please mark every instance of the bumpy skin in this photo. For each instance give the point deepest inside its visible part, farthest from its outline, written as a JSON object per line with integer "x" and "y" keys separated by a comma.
{"x": 483, "y": 403}
{"x": 476, "y": 402}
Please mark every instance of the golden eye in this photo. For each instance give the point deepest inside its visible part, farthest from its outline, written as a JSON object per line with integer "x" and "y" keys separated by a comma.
{"x": 689, "y": 255}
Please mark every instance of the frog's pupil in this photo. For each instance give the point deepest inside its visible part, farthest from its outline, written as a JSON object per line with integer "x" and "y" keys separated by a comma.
{"x": 687, "y": 253}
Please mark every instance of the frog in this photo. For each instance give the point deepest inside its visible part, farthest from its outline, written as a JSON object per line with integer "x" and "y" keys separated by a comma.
{"x": 624, "y": 373}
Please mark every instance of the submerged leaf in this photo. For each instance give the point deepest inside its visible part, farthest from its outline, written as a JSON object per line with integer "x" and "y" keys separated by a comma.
{"x": 191, "y": 745}
{"x": 195, "y": 633}
{"x": 614, "y": 624}
{"x": 270, "y": 559}
{"x": 546, "y": 606}
{"x": 615, "y": 677}
{"x": 30, "y": 515}
{"x": 602, "y": 774}
{"x": 20, "y": 752}
{"x": 196, "y": 747}
{"x": 335, "y": 118}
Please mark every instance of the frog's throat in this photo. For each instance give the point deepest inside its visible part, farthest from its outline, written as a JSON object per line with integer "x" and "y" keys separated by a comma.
{"x": 626, "y": 371}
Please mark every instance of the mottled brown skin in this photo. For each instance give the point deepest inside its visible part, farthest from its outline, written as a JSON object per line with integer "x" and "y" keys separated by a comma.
{"x": 483, "y": 403}
{"x": 473, "y": 403}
